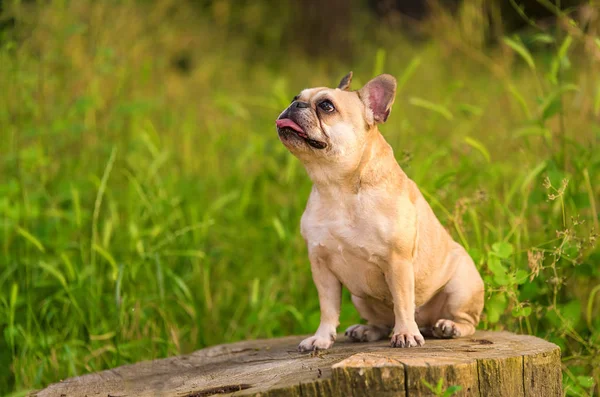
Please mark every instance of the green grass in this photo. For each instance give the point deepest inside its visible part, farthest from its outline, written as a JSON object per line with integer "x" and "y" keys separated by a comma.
{"x": 146, "y": 213}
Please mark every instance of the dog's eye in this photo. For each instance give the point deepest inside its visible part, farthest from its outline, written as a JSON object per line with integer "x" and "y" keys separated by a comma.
{"x": 294, "y": 99}
{"x": 327, "y": 106}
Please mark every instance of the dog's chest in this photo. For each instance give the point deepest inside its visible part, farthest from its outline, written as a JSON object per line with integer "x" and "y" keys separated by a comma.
{"x": 353, "y": 242}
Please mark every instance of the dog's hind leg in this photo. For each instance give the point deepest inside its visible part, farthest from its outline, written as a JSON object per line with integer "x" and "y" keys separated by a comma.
{"x": 455, "y": 310}
{"x": 380, "y": 320}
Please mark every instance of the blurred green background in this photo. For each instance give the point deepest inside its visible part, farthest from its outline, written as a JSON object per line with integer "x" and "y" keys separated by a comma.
{"x": 148, "y": 209}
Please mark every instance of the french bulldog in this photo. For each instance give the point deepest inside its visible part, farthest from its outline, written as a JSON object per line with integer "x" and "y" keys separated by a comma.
{"x": 368, "y": 227}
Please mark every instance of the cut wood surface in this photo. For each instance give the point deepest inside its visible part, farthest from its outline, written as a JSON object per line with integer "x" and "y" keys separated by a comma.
{"x": 485, "y": 364}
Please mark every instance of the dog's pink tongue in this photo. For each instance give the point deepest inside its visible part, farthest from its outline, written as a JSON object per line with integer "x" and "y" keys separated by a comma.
{"x": 282, "y": 123}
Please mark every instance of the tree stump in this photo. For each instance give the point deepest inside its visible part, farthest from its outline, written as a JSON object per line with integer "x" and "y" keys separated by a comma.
{"x": 485, "y": 364}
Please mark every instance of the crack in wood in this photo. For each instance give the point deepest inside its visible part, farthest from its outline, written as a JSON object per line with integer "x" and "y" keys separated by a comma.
{"x": 219, "y": 390}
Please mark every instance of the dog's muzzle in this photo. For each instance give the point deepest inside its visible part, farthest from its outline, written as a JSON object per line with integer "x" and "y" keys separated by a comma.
{"x": 287, "y": 122}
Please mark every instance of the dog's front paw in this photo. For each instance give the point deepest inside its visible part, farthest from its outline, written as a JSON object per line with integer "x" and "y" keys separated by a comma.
{"x": 407, "y": 339}
{"x": 445, "y": 329}
{"x": 315, "y": 343}
{"x": 366, "y": 333}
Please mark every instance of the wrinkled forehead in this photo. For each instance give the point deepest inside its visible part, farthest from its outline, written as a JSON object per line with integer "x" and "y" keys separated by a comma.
{"x": 316, "y": 94}
{"x": 309, "y": 94}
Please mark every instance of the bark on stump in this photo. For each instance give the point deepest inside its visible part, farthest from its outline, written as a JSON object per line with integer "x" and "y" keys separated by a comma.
{"x": 485, "y": 364}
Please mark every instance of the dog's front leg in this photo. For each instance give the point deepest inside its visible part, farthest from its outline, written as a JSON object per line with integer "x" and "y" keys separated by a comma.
{"x": 400, "y": 278}
{"x": 330, "y": 299}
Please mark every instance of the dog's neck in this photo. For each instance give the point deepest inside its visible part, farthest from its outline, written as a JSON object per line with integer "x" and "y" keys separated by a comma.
{"x": 375, "y": 167}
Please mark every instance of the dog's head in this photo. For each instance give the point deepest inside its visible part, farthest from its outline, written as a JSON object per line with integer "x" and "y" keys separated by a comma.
{"x": 334, "y": 124}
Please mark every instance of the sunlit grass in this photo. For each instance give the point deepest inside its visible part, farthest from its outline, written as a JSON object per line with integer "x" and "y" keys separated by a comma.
{"x": 147, "y": 212}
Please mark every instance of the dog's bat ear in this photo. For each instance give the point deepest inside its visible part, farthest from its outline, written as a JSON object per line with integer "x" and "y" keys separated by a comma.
{"x": 378, "y": 96}
{"x": 345, "y": 82}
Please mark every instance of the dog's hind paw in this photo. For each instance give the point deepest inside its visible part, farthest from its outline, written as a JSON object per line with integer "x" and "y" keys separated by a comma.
{"x": 366, "y": 333}
{"x": 445, "y": 329}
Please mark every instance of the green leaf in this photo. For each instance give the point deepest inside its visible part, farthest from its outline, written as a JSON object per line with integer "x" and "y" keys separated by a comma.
{"x": 408, "y": 72}
{"x": 14, "y": 294}
{"x": 278, "y": 226}
{"x": 281, "y": 92}
{"x": 475, "y": 254}
{"x": 294, "y": 312}
{"x": 590, "y": 305}
{"x": 597, "y": 101}
{"x": 586, "y": 381}
{"x": 439, "y": 386}
{"x": 532, "y": 175}
{"x": 31, "y": 238}
{"x": 109, "y": 258}
{"x": 553, "y": 318}
{"x": 470, "y": 110}
{"x": 551, "y": 108}
{"x": 517, "y": 95}
{"x": 521, "y": 311}
{"x": 379, "y": 62}
{"x": 552, "y": 103}
{"x": 54, "y": 272}
{"x": 502, "y": 279}
{"x": 542, "y": 38}
{"x": 521, "y": 276}
{"x": 495, "y": 307}
{"x": 425, "y": 104}
{"x": 524, "y": 184}
{"x": 518, "y": 46}
{"x": 570, "y": 250}
{"x": 571, "y": 312}
{"x": 223, "y": 201}
{"x": 502, "y": 249}
{"x": 254, "y": 291}
{"x": 444, "y": 179}
{"x": 452, "y": 390}
{"x": 500, "y": 272}
{"x": 558, "y": 59}
{"x": 495, "y": 265}
{"x": 428, "y": 385}
{"x": 474, "y": 143}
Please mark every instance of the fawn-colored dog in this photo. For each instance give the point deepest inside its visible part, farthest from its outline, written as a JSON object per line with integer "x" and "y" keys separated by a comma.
{"x": 368, "y": 227}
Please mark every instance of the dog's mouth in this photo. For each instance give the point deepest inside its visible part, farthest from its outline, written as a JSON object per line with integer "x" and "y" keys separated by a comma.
{"x": 290, "y": 126}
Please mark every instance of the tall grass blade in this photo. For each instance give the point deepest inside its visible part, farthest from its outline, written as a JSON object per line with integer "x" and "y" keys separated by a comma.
{"x": 480, "y": 147}
{"x": 98, "y": 205}
{"x": 31, "y": 238}
{"x": 520, "y": 49}
{"x": 379, "y": 62}
{"x": 408, "y": 73}
{"x": 559, "y": 58}
{"x": 425, "y": 104}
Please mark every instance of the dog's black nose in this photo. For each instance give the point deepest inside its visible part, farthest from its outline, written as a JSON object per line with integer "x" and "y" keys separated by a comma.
{"x": 302, "y": 104}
